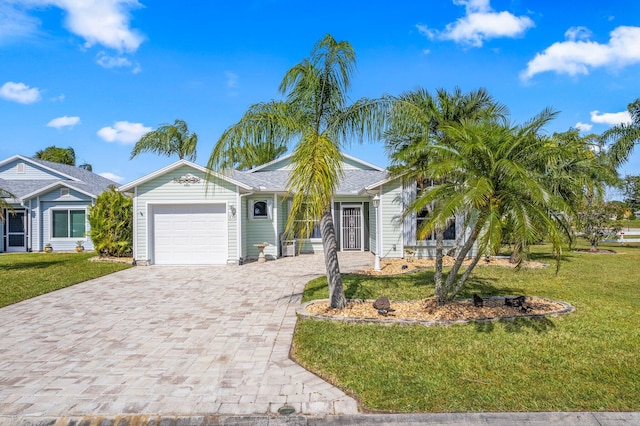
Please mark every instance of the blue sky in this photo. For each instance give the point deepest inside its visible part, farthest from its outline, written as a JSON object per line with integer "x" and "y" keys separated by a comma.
{"x": 96, "y": 74}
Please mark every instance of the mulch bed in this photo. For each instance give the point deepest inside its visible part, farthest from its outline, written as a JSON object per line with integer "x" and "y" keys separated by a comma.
{"x": 428, "y": 309}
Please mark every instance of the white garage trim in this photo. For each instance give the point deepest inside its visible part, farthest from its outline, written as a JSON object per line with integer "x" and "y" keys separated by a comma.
{"x": 187, "y": 233}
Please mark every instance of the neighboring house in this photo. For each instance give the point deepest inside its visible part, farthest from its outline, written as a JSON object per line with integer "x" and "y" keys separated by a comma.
{"x": 51, "y": 204}
{"x": 181, "y": 218}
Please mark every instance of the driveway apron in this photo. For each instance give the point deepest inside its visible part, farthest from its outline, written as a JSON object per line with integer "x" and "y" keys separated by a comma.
{"x": 176, "y": 340}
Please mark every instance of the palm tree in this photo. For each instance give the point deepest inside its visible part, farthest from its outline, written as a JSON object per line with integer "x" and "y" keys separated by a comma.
{"x": 168, "y": 140}
{"x": 496, "y": 174}
{"x": 3, "y": 203}
{"x": 416, "y": 125}
{"x": 315, "y": 119}
{"x": 624, "y": 136}
{"x": 57, "y": 155}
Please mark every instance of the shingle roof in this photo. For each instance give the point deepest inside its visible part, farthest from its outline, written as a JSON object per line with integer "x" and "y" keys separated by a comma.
{"x": 81, "y": 179}
{"x": 352, "y": 182}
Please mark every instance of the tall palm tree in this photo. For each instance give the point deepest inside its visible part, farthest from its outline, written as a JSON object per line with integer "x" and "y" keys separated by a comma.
{"x": 496, "y": 173}
{"x": 624, "y": 136}
{"x": 417, "y": 124}
{"x": 168, "y": 140}
{"x": 315, "y": 120}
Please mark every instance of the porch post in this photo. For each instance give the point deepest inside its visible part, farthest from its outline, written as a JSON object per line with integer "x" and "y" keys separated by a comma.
{"x": 376, "y": 204}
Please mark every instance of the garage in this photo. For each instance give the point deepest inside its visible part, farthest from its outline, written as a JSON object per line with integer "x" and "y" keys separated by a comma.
{"x": 189, "y": 234}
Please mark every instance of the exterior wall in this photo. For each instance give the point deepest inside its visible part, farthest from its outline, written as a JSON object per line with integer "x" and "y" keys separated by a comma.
{"x": 164, "y": 190}
{"x": 261, "y": 230}
{"x": 391, "y": 208}
{"x": 39, "y": 213}
{"x": 32, "y": 172}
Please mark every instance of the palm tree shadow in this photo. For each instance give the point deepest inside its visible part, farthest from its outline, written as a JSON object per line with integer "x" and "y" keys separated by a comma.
{"x": 485, "y": 287}
{"x": 540, "y": 324}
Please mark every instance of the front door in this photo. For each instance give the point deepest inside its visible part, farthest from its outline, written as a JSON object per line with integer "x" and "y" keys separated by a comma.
{"x": 352, "y": 228}
{"x": 16, "y": 231}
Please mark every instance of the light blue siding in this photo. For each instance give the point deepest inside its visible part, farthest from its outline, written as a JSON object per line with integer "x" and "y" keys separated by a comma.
{"x": 10, "y": 171}
{"x": 164, "y": 190}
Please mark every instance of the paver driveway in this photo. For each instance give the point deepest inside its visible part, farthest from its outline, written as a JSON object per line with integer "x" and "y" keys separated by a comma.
{"x": 166, "y": 340}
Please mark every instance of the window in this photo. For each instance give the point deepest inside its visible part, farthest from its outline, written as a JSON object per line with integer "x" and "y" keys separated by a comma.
{"x": 68, "y": 224}
{"x": 449, "y": 233}
{"x": 22, "y": 168}
{"x": 260, "y": 209}
{"x": 315, "y": 232}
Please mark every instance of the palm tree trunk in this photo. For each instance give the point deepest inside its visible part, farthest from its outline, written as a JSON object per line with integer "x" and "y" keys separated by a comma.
{"x": 330, "y": 245}
{"x": 441, "y": 292}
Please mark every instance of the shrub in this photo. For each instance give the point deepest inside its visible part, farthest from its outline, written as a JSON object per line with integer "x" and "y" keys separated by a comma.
{"x": 111, "y": 220}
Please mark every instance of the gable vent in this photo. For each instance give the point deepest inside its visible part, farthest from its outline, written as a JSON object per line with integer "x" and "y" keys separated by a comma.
{"x": 64, "y": 192}
{"x": 22, "y": 168}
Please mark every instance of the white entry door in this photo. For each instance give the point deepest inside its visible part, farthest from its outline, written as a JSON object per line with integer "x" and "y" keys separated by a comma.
{"x": 193, "y": 234}
{"x": 16, "y": 231}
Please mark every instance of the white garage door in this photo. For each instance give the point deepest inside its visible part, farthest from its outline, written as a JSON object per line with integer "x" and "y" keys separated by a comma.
{"x": 189, "y": 234}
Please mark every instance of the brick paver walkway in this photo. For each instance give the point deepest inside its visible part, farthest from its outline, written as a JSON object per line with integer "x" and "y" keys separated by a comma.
{"x": 168, "y": 341}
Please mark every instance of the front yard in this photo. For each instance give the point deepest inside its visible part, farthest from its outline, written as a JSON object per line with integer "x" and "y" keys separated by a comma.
{"x": 26, "y": 275}
{"x": 584, "y": 361}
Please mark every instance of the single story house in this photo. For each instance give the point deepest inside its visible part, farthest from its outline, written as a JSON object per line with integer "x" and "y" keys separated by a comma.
{"x": 50, "y": 205}
{"x": 181, "y": 218}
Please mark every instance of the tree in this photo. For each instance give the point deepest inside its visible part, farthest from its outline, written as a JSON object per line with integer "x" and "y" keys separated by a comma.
{"x": 316, "y": 119}
{"x": 495, "y": 174}
{"x": 597, "y": 221}
{"x": 168, "y": 140}
{"x": 3, "y": 203}
{"x": 57, "y": 155}
{"x": 417, "y": 124}
{"x": 632, "y": 192}
{"x": 624, "y": 136}
{"x": 111, "y": 220}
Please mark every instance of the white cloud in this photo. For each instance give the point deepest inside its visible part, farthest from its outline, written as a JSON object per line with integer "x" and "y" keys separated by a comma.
{"x": 19, "y": 92}
{"x": 123, "y": 132}
{"x": 15, "y": 23}
{"x": 577, "y": 33}
{"x": 107, "y": 61}
{"x": 59, "y": 98}
{"x": 103, "y": 22}
{"x": 479, "y": 24}
{"x": 578, "y": 54}
{"x": 112, "y": 176}
{"x": 611, "y": 118}
{"x": 584, "y": 127}
{"x": 64, "y": 121}
{"x": 232, "y": 79}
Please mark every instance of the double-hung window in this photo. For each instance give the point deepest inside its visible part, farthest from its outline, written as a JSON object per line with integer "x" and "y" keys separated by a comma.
{"x": 68, "y": 223}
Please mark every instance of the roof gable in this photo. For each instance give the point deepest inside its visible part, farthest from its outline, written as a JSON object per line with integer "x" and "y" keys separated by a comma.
{"x": 180, "y": 163}
{"x": 284, "y": 163}
{"x": 37, "y": 177}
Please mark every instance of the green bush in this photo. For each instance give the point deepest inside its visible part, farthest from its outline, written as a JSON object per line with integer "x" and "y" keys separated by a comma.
{"x": 111, "y": 220}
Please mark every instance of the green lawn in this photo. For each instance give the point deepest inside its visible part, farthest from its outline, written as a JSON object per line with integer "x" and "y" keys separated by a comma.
{"x": 587, "y": 360}
{"x": 27, "y": 275}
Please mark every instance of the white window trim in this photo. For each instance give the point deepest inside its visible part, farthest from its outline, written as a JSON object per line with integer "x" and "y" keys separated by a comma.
{"x": 268, "y": 202}
{"x": 67, "y": 209}
{"x": 22, "y": 168}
